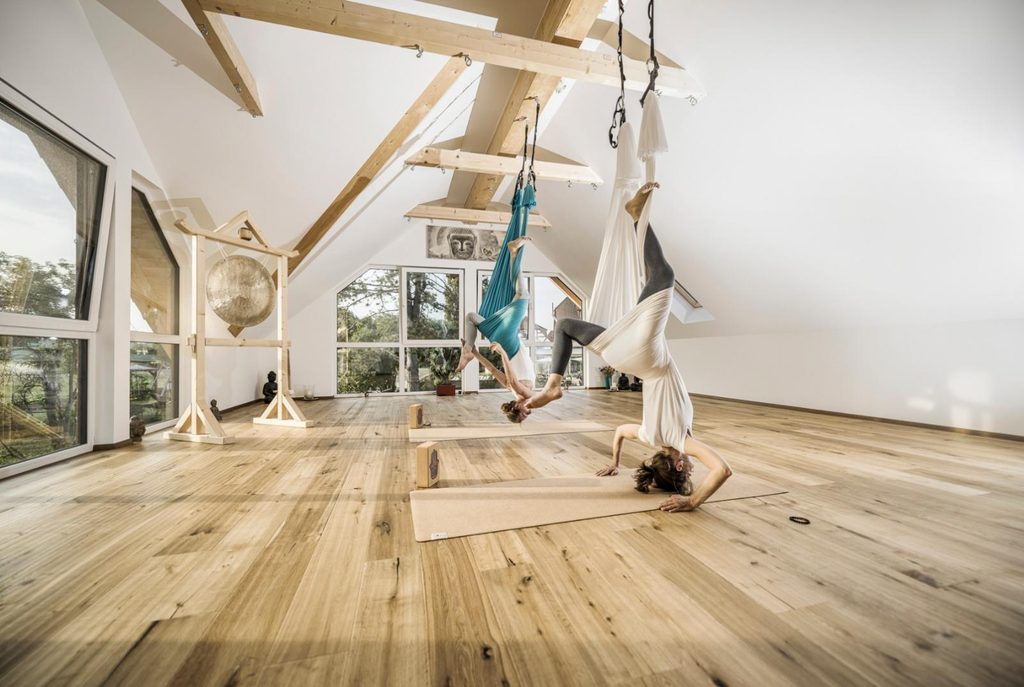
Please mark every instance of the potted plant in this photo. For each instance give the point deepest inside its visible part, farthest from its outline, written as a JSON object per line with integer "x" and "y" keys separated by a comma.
{"x": 442, "y": 365}
{"x": 608, "y": 371}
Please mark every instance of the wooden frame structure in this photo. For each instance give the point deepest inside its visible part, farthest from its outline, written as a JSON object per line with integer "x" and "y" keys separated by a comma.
{"x": 465, "y": 161}
{"x": 496, "y": 213}
{"x": 212, "y": 28}
{"x": 197, "y": 423}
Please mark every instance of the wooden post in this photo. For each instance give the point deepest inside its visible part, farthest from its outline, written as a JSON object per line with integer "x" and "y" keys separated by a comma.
{"x": 283, "y": 411}
{"x": 197, "y": 423}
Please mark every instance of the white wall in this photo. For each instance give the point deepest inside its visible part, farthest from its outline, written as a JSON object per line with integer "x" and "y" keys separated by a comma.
{"x": 313, "y": 330}
{"x": 968, "y": 375}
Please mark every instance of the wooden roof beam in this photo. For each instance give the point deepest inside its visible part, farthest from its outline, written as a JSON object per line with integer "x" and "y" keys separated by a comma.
{"x": 212, "y": 28}
{"x": 463, "y": 161}
{"x": 567, "y": 23}
{"x": 495, "y": 214}
{"x": 365, "y": 22}
{"x": 416, "y": 113}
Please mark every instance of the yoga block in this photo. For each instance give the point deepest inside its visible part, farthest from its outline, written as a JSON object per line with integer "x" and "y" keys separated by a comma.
{"x": 428, "y": 468}
{"x": 415, "y": 416}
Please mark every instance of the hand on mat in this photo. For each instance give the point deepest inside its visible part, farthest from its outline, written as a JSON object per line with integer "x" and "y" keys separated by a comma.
{"x": 608, "y": 471}
{"x": 677, "y": 504}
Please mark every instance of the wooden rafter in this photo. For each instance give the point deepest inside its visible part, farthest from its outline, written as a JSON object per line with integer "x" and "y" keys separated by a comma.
{"x": 463, "y": 161}
{"x": 427, "y": 100}
{"x": 365, "y": 22}
{"x": 632, "y": 45}
{"x": 494, "y": 214}
{"x": 565, "y": 22}
{"x": 214, "y": 31}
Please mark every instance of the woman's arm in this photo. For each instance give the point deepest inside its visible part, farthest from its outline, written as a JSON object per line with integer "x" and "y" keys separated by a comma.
{"x": 719, "y": 472}
{"x": 622, "y": 432}
{"x": 513, "y": 385}
{"x": 491, "y": 368}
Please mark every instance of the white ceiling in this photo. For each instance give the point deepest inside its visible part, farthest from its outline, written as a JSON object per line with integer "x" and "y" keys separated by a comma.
{"x": 853, "y": 164}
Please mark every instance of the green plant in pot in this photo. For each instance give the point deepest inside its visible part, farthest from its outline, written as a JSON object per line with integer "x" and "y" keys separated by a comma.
{"x": 442, "y": 363}
{"x": 608, "y": 371}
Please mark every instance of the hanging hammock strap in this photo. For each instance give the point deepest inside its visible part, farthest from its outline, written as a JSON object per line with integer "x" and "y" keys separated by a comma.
{"x": 522, "y": 170}
{"x": 619, "y": 115}
{"x": 652, "y": 61}
{"x": 524, "y": 177}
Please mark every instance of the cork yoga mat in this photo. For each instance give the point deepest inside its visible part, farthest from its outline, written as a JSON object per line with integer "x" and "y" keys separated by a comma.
{"x": 463, "y": 511}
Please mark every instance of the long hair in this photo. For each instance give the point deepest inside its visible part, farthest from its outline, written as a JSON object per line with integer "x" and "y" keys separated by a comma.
{"x": 661, "y": 471}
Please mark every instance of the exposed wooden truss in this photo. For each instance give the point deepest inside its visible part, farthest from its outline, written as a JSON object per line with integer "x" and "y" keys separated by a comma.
{"x": 213, "y": 29}
{"x": 464, "y": 161}
{"x": 429, "y": 98}
{"x": 632, "y": 45}
{"x": 365, "y": 22}
{"x": 565, "y": 22}
{"x": 495, "y": 213}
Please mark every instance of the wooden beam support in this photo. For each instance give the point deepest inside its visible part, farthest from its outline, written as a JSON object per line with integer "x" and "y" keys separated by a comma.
{"x": 463, "y": 161}
{"x": 492, "y": 215}
{"x": 632, "y": 45}
{"x": 565, "y": 22}
{"x": 232, "y": 240}
{"x": 389, "y": 27}
{"x": 211, "y": 26}
{"x": 416, "y": 113}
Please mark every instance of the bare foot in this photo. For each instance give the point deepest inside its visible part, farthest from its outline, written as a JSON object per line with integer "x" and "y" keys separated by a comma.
{"x": 636, "y": 205}
{"x": 515, "y": 245}
{"x": 466, "y": 358}
{"x": 548, "y": 394}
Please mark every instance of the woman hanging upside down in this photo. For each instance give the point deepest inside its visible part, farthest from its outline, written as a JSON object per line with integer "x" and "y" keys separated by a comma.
{"x": 502, "y": 330}
{"x": 636, "y": 345}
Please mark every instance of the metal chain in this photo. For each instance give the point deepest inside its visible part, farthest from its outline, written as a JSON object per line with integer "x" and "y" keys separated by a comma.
{"x": 619, "y": 115}
{"x": 652, "y": 61}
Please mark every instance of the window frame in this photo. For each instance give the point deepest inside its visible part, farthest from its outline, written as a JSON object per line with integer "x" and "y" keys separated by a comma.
{"x": 146, "y": 189}
{"x": 404, "y": 342}
{"x": 85, "y": 329}
{"x": 20, "y": 103}
{"x": 531, "y": 342}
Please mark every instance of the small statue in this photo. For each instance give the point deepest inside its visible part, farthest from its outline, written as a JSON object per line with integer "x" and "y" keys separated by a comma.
{"x": 217, "y": 415}
{"x": 136, "y": 428}
{"x": 637, "y": 385}
{"x": 623, "y": 382}
{"x": 270, "y": 388}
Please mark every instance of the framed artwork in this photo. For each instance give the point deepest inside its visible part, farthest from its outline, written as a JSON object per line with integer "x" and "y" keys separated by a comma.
{"x": 458, "y": 243}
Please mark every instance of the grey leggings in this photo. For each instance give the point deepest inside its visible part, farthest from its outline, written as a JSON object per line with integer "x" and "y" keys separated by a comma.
{"x": 660, "y": 276}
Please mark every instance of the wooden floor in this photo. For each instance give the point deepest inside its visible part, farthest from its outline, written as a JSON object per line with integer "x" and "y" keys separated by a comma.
{"x": 288, "y": 559}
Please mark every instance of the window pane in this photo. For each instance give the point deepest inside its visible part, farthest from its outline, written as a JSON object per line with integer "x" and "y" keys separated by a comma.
{"x": 153, "y": 381}
{"x": 368, "y": 308}
{"x": 552, "y": 301}
{"x": 367, "y": 369}
{"x": 40, "y": 409}
{"x": 50, "y": 199}
{"x": 425, "y": 368}
{"x": 542, "y": 363}
{"x": 154, "y": 273}
{"x": 432, "y": 305}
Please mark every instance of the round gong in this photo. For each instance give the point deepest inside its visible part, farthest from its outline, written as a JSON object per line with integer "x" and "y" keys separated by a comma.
{"x": 240, "y": 291}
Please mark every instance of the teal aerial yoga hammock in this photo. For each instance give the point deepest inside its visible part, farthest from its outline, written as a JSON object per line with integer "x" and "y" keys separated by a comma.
{"x": 501, "y": 310}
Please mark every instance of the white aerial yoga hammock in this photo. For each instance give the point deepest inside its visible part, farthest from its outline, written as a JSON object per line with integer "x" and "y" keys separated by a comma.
{"x": 620, "y": 276}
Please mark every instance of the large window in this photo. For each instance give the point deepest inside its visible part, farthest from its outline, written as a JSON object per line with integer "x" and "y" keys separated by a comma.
{"x": 50, "y": 200}
{"x": 153, "y": 375}
{"x": 54, "y": 203}
{"x": 399, "y": 329}
{"x": 550, "y": 299}
{"x": 40, "y": 396}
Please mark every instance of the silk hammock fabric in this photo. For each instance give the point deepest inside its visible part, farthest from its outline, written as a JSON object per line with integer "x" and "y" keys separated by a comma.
{"x": 620, "y": 275}
{"x": 501, "y": 310}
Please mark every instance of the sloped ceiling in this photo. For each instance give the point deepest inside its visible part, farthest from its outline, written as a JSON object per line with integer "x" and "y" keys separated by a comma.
{"x": 853, "y": 164}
